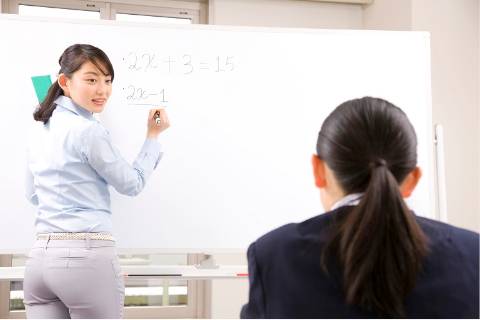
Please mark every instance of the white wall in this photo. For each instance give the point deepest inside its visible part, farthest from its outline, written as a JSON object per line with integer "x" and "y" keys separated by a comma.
{"x": 455, "y": 34}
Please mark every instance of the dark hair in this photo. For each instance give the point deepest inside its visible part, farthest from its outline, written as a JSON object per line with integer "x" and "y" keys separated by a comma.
{"x": 370, "y": 146}
{"x": 70, "y": 61}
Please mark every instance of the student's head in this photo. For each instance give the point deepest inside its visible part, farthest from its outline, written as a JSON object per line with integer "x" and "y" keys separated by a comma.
{"x": 362, "y": 142}
{"x": 369, "y": 146}
{"x": 85, "y": 76}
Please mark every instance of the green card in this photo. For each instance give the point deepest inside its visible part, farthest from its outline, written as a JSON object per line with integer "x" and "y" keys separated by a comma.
{"x": 41, "y": 85}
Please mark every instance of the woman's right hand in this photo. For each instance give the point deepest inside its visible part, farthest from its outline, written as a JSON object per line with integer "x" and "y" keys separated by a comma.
{"x": 154, "y": 126}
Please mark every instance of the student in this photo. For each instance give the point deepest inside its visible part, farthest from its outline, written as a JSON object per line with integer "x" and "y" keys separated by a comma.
{"x": 73, "y": 270}
{"x": 369, "y": 255}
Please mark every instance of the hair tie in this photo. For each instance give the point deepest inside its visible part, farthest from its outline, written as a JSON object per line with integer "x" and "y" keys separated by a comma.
{"x": 378, "y": 163}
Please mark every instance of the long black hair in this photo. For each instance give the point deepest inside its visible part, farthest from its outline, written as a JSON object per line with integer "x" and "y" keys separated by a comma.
{"x": 371, "y": 147}
{"x": 70, "y": 61}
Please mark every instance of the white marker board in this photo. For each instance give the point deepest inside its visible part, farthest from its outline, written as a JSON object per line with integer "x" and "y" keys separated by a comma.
{"x": 245, "y": 104}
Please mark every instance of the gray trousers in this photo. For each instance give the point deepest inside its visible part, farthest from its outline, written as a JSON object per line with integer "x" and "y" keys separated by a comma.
{"x": 73, "y": 279}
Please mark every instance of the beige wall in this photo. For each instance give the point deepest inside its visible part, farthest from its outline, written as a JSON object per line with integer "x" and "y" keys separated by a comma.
{"x": 228, "y": 296}
{"x": 387, "y": 15}
{"x": 455, "y": 97}
{"x": 454, "y": 30}
{"x": 455, "y": 33}
{"x": 285, "y": 13}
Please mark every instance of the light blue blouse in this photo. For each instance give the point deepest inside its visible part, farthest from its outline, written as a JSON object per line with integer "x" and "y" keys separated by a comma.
{"x": 71, "y": 162}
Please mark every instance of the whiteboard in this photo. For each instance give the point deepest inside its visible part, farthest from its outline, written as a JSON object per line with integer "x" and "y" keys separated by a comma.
{"x": 245, "y": 105}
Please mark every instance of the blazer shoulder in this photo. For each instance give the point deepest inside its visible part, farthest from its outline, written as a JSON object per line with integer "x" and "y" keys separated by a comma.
{"x": 443, "y": 231}
{"x": 277, "y": 236}
{"x": 446, "y": 240}
{"x": 288, "y": 235}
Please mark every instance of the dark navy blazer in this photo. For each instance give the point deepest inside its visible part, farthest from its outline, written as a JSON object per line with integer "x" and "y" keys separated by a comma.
{"x": 286, "y": 280}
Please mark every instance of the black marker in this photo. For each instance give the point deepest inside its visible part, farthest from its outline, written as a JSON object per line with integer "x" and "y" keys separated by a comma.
{"x": 156, "y": 116}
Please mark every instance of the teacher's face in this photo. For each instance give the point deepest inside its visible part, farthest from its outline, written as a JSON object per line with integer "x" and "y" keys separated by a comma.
{"x": 88, "y": 87}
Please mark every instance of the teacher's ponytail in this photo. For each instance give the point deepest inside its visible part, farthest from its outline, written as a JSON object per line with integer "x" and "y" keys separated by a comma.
{"x": 70, "y": 61}
{"x": 45, "y": 110}
{"x": 371, "y": 147}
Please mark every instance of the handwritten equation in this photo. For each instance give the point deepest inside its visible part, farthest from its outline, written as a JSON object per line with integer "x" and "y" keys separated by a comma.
{"x": 183, "y": 64}
{"x": 139, "y": 96}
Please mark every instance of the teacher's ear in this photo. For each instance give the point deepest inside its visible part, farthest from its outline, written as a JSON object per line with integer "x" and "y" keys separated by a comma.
{"x": 410, "y": 182}
{"x": 64, "y": 83}
{"x": 319, "y": 172}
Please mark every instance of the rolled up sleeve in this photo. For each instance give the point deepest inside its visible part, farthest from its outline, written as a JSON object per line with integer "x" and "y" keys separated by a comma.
{"x": 107, "y": 161}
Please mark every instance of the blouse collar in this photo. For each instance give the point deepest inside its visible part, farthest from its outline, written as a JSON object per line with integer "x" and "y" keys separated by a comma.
{"x": 349, "y": 200}
{"x": 67, "y": 103}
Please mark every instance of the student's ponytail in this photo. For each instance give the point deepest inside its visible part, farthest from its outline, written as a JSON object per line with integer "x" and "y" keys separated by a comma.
{"x": 70, "y": 61}
{"x": 370, "y": 146}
